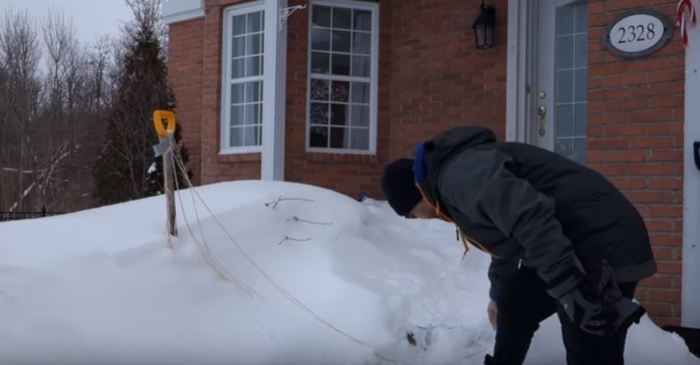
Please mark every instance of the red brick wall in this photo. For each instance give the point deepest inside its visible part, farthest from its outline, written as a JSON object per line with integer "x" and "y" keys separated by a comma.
{"x": 349, "y": 174}
{"x": 185, "y": 71}
{"x": 635, "y": 129}
{"x": 195, "y": 71}
{"x": 438, "y": 77}
{"x": 417, "y": 98}
{"x": 217, "y": 167}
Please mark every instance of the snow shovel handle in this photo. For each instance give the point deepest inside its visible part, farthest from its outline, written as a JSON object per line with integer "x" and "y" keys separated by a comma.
{"x": 158, "y": 116}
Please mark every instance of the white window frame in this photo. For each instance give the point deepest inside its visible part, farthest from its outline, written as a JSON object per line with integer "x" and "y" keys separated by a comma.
{"x": 225, "y": 124}
{"x": 373, "y": 76}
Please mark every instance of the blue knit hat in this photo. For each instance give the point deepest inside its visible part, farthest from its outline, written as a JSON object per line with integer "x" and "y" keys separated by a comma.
{"x": 398, "y": 185}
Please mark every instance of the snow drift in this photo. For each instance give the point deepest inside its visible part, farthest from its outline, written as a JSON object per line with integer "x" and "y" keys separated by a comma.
{"x": 102, "y": 287}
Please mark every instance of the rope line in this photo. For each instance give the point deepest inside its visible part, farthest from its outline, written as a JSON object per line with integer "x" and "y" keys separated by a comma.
{"x": 176, "y": 158}
{"x": 203, "y": 245}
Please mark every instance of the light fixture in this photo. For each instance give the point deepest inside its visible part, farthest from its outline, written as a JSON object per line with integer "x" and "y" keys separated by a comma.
{"x": 485, "y": 26}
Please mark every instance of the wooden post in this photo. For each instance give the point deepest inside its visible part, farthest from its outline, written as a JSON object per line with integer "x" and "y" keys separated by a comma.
{"x": 169, "y": 184}
{"x": 165, "y": 136}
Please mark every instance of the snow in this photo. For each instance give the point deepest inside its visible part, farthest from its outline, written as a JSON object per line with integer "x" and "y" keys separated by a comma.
{"x": 102, "y": 287}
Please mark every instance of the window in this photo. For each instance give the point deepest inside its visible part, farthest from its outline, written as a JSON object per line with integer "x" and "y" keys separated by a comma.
{"x": 342, "y": 98}
{"x": 242, "y": 84}
{"x": 571, "y": 81}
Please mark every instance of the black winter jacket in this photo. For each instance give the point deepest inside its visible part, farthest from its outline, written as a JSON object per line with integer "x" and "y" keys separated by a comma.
{"x": 519, "y": 201}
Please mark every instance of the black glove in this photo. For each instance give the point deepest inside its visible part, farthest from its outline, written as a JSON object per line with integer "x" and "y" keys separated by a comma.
{"x": 598, "y": 307}
{"x": 586, "y": 312}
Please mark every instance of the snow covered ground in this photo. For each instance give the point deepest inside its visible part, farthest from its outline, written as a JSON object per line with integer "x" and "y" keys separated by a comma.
{"x": 102, "y": 287}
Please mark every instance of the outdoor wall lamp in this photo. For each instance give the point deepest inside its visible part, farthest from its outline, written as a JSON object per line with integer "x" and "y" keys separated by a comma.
{"x": 485, "y": 26}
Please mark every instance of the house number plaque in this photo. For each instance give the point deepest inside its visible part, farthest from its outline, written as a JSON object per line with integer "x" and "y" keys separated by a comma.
{"x": 637, "y": 34}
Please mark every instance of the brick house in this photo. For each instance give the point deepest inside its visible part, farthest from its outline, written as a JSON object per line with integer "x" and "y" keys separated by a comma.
{"x": 349, "y": 85}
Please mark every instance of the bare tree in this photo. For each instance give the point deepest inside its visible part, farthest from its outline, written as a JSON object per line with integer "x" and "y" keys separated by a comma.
{"x": 51, "y": 122}
{"x": 19, "y": 56}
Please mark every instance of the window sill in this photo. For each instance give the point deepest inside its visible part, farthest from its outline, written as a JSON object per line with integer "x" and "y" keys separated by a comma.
{"x": 341, "y": 157}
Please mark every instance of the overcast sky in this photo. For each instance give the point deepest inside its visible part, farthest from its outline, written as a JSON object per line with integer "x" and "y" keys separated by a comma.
{"x": 92, "y": 18}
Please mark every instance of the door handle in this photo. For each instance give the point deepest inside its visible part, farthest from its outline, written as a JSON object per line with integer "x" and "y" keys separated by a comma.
{"x": 542, "y": 113}
{"x": 696, "y": 154}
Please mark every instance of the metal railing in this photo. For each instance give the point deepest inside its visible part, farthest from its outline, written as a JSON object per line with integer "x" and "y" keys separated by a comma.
{"x": 14, "y": 216}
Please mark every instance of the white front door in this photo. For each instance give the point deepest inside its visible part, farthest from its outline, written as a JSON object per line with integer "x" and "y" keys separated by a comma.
{"x": 557, "y": 116}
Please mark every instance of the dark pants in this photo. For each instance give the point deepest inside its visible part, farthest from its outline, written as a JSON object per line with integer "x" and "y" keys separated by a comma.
{"x": 524, "y": 303}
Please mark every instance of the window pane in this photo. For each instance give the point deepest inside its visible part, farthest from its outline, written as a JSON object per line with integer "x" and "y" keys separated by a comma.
{"x": 319, "y": 113}
{"x": 319, "y": 89}
{"x": 339, "y": 114}
{"x": 580, "y": 17}
{"x": 237, "y": 115}
{"x": 341, "y": 18}
{"x": 360, "y": 66}
{"x": 237, "y": 93}
{"x": 564, "y": 147}
{"x": 360, "y": 115}
{"x": 581, "y": 50}
{"x": 321, "y": 16}
{"x": 251, "y": 114}
{"x": 253, "y": 44}
{"x": 318, "y": 137}
{"x": 236, "y": 138}
{"x": 361, "y": 43}
{"x": 362, "y": 20}
{"x": 340, "y": 90}
{"x": 237, "y": 68}
{"x": 359, "y": 139}
{"x": 250, "y": 138}
{"x": 565, "y": 20}
{"x": 580, "y": 85}
{"x": 565, "y": 52}
{"x": 320, "y": 39}
{"x": 340, "y": 64}
{"x": 360, "y": 92}
{"x": 239, "y": 25}
{"x": 341, "y": 41}
{"x": 252, "y": 66}
{"x": 565, "y": 85}
{"x": 253, "y": 91}
{"x": 580, "y": 117}
{"x": 238, "y": 46}
{"x": 340, "y": 138}
{"x": 564, "y": 121}
{"x": 579, "y": 154}
{"x": 254, "y": 22}
{"x": 320, "y": 62}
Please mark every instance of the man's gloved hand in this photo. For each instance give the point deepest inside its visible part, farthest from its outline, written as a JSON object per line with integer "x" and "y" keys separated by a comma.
{"x": 598, "y": 307}
{"x": 586, "y": 312}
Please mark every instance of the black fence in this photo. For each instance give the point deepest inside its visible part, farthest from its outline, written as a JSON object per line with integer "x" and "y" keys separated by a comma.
{"x": 15, "y": 216}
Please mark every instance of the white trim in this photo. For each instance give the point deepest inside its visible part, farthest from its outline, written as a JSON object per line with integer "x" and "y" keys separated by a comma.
{"x": 225, "y": 116}
{"x": 274, "y": 92}
{"x": 340, "y": 151}
{"x": 240, "y": 150}
{"x": 175, "y": 11}
{"x": 520, "y": 71}
{"x": 373, "y": 77}
{"x": 691, "y": 185}
{"x": 362, "y": 5}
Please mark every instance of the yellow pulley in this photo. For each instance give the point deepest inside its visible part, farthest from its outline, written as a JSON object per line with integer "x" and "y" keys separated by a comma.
{"x": 158, "y": 116}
